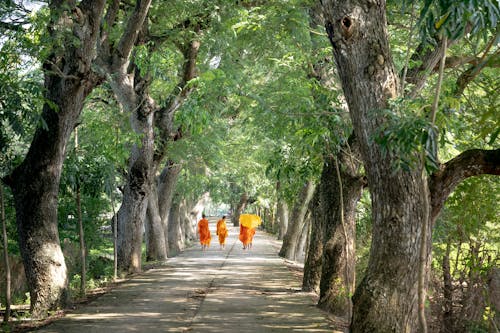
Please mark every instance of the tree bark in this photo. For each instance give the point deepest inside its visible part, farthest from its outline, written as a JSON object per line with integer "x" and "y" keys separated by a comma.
{"x": 282, "y": 214}
{"x": 467, "y": 164}
{"x": 339, "y": 196}
{"x": 386, "y": 299}
{"x": 314, "y": 258}
{"x": 35, "y": 182}
{"x": 166, "y": 188}
{"x": 301, "y": 248}
{"x": 188, "y": 227}
{"x": 132, "y": 212}
{"x": 176, "y": 241}
{"x": 292, "y": 237}
{"x": 240, "y": 208}
{"x": 132, "y": 92}
{"x": 156, "y": 243}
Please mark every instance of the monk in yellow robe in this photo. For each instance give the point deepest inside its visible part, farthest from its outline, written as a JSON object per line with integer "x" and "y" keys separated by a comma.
{"x": 204, "y": 233}
{"x": 246, "y": 236}
{"x": 222, "y": 231}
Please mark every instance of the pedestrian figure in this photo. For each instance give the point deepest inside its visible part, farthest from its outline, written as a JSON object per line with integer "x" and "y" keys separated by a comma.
{"x": 246, "y": 236}
{"x": 222, "y": 232}
{"x": 204, "y": 233}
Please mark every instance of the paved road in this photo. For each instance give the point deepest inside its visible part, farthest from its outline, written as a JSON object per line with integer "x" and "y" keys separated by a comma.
{"x": 231, "y": 290}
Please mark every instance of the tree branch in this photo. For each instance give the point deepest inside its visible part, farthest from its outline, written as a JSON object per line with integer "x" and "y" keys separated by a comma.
{"x": 469, "y": 75}
{"x": 430, "y": 59}
{"x": 110, "y": 19}
{"x": 469, "y": 163}
{"x": 164, "y": 116}
{"x": 133, "y": 28}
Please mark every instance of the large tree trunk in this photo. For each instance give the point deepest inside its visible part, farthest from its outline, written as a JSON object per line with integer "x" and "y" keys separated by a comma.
{"x": 35, "y": 182}
{"x": 187, "y": 225}
{"x": 133, "y": 93}
{"x": 386, "y": 299}
{"x": 166, "y": 187}
{"x": 292, "y": 236}
{"x": 132, "y": 212}
{"x": 282, "y": 216}
{"x": 339, "y": 198}
{"x": 240, "y": 208}
{"x": 302, "y": 243}
{"x": 156, "y": 243}
{"x": 176, "y": 241}
{"x": 314, "y": 257}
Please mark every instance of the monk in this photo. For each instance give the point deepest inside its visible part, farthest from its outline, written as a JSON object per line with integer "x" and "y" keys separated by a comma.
{"x": 246, "y": 236}
{"x": 204, "y": 233}
{"x": 222, "y": 232}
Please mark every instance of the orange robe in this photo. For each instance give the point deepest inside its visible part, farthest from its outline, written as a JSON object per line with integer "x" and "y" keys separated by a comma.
{"x": 222, "y": 231}
{"x": 246, "y": 235}
{"x": 204, "y": 232}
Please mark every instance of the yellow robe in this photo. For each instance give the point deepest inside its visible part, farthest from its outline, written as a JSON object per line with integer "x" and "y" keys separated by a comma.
{"x": 222, "y": 231}
{"x": 204, "y": 232}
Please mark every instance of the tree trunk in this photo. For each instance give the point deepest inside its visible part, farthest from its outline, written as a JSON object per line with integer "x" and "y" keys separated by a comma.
{"x": 282, "y": 214}
{"x": 156, "y": 243}
{"x": 188, "y": 228}
{"x": 175, "y": 232}
{"x": 292, "y": 236}
{"x": 240, "y": 208}
{"x": 301, "y": 248}
{"x": 314, "y": 258}
{"x": 35, "y": 182}
{"x": 6, "y": 314}
{"x": 166, "y": 187}
{"x": 339, "y": 196}
{"x": 386, "y": 299}
{"x": 132, "y": 212}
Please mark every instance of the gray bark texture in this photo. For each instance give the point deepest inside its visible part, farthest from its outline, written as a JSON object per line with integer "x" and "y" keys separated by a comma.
{"x": 386, "y": 299}
{"x": 132, "y": 212}
{"x": 156, "y": 243}
{"x": 240, "y": 208}
{"x": 314, "y": 258}
{"x": 301, "y": 249}
{"x": 131, "y": 93}
{"x": 148, "y": 118}
{"x": 282, "y": 214}
{"x": 188, "y": 228}
{"x": 297, "y": 220}
{"x": 176, "y": 241}
{"x": 339, "y": 197}
{"x": 166, "y": 188}
{"x": 35, "y": 182}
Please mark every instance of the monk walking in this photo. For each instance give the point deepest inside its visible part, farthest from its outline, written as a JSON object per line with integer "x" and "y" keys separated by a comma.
{"x": 204, "y": 233}
{"x": 222, "y": 231}
{"x": 246, "y": 236}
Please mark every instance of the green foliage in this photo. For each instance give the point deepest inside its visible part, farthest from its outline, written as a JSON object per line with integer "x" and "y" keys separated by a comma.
{"x": 459, "y": 18}
{"x": 405, "y": 134}
{"x": 20, "y": 105}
